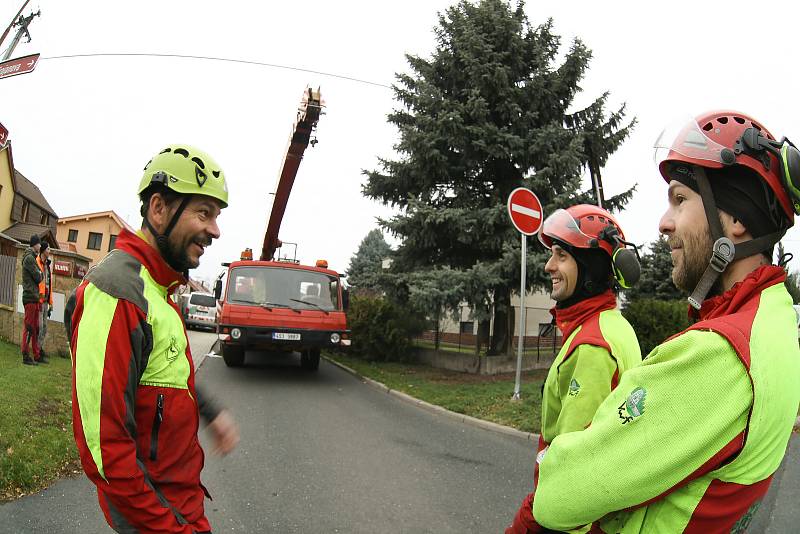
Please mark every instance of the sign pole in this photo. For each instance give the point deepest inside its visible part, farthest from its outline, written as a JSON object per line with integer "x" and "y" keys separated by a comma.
{"x": 521, "y": 334}
{"x": 525, "y": 211}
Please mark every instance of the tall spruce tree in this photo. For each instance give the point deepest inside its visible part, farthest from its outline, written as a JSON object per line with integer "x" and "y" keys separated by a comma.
{"x": 486, "y": 113}
{"x": 656, "y": 280}
{"x": 367, "y": 263}
{"x": 601, "y": 137}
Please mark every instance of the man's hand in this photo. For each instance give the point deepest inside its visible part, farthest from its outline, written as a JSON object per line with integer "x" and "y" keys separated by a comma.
{"x": 225, "y": 433}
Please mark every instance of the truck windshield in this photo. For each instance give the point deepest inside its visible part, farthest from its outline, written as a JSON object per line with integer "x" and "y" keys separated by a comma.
{"x": 294, "y": 288}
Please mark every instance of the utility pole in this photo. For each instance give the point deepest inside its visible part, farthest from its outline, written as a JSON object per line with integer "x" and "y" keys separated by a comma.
{"x": 597, "y": 181}
{"x": 5, "y": 33}
{"x": 23, "y": 23}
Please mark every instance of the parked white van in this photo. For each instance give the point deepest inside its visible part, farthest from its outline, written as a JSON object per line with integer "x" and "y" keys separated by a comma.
{"x": 200, "y": 311}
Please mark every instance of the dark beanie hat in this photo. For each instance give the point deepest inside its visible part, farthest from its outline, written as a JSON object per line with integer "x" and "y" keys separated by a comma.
{"x": 35, "y": 240}
{"x": 740, "y": 192}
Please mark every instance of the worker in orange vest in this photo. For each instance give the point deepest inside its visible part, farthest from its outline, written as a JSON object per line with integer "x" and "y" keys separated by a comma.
{"x": 45, "y": 294}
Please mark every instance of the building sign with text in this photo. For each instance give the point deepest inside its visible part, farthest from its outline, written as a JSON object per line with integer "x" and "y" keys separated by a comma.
{"x": 63, "y": 268}
{"x": 80, "y": 271}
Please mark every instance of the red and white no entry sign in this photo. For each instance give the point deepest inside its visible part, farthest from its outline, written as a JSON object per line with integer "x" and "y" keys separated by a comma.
{"x": 525, "y": 210}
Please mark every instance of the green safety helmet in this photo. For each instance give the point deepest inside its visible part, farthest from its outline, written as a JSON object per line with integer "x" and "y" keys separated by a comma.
{"x": 188, "y": 171}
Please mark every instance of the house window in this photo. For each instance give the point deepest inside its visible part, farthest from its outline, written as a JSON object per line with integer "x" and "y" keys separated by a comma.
{"x": 45, "y": 220}
{"x": 73, "y": 236}
{"x": 112, "y": 243}
{"x": 95, "y": 240}
{"x": 24, "y": 211}
{"x": 467, "y": 327}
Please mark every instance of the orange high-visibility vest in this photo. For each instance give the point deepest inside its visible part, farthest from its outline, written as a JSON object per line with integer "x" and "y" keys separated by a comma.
{"x": 45, "y": 293}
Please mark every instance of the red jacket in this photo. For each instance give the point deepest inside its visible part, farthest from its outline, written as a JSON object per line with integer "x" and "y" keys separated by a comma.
{"x": 135, "y": 413}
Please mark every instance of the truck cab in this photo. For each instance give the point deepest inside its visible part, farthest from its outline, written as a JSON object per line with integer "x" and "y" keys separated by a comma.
{"x": 280, "y": 306}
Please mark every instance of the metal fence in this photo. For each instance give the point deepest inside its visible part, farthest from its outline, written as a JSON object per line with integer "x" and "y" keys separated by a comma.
{"x": 8, "y": 269}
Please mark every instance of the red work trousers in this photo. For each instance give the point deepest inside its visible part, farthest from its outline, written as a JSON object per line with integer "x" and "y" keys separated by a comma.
{"x": 30, "y": 329}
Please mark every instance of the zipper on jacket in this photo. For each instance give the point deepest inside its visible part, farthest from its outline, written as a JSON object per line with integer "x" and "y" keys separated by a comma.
{"x": 156, "y": 425}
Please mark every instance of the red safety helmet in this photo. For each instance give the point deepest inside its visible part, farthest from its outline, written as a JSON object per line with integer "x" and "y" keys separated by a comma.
{"x": 587, "y": 227}
{"x": 713, "y": 141}
{"x": 581, "y": 226}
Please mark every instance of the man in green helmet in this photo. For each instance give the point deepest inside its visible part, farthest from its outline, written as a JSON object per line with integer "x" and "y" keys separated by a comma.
{"x": 134, "y": 401}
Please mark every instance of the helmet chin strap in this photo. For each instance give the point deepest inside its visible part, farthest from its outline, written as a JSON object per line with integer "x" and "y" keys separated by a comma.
{"x": 724, "y": 252}
{"x": 162, "y": 240}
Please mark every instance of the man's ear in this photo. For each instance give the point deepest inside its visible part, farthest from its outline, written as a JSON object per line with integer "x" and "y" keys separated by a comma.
{"x": 158, "y": 211}
{"x": 734, "y": 228}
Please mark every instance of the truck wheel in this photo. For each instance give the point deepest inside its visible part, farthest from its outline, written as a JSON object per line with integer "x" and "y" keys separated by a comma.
{"x": 309, "y": 359}
{"x": 233, "y": 355}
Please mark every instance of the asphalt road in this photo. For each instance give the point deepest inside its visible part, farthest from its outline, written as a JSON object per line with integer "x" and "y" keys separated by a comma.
{"x": 323, "y": 452}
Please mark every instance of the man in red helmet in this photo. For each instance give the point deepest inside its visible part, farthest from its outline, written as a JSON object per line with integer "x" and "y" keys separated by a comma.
{"x": 599, "y": 343}
{"x": 690, "y": 439}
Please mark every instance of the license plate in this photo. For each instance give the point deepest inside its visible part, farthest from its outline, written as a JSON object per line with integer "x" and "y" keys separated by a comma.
{"x": 286, "y": 336}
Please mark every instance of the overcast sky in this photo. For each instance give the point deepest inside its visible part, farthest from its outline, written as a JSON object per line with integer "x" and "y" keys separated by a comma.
{"x": 83, "y": 129}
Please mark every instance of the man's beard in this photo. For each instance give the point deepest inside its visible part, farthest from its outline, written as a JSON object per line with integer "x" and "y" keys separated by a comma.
{"x": 176, "y": 256}
{"x": 696, "y": 249}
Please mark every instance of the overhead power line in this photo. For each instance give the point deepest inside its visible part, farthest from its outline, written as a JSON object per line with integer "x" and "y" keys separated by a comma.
{"x": 225, "y": 59}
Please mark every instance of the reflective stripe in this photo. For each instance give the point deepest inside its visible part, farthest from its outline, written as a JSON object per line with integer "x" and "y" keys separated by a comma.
{"x": 168, "y": 365}
{"x": 90, "y": 357}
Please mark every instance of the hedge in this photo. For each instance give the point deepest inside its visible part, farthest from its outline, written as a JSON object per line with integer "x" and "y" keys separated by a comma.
{"x": 381, "y": 329}
{"x": 656, "y": 320}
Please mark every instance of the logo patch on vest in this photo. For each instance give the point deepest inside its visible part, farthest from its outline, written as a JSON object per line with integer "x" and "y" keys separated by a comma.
{"x": 574, "y": 388}
{"x": 633, "y": 406}
{"x": 172, "y": 350}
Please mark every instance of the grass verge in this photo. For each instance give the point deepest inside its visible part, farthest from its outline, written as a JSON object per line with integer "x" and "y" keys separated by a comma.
{"x": 484, "y": 397}
{"x": 36, "y": 443}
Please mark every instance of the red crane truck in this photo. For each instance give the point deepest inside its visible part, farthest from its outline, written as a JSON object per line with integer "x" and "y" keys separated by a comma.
{"x": 277, "y": 304}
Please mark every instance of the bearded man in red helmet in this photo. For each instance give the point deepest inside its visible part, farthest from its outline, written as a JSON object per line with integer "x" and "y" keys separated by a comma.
{"x": 690, "y": 439}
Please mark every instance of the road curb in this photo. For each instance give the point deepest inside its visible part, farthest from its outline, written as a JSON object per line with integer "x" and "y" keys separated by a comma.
{"x": 202, "y": 358}
{"x": 438, "y": 410}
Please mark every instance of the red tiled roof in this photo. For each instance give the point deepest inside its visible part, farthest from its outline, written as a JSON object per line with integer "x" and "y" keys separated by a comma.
{"x": 22, "y": 232}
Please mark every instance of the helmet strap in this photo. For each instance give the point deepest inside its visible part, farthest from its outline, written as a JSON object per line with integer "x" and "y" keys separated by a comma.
{"x": 182, "y": 206}
{"x": 724, "y": 252}
{"x": 162, "y": 240}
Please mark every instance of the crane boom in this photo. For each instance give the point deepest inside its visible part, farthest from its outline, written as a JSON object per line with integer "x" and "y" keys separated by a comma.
{"x": 307, "y": 117}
